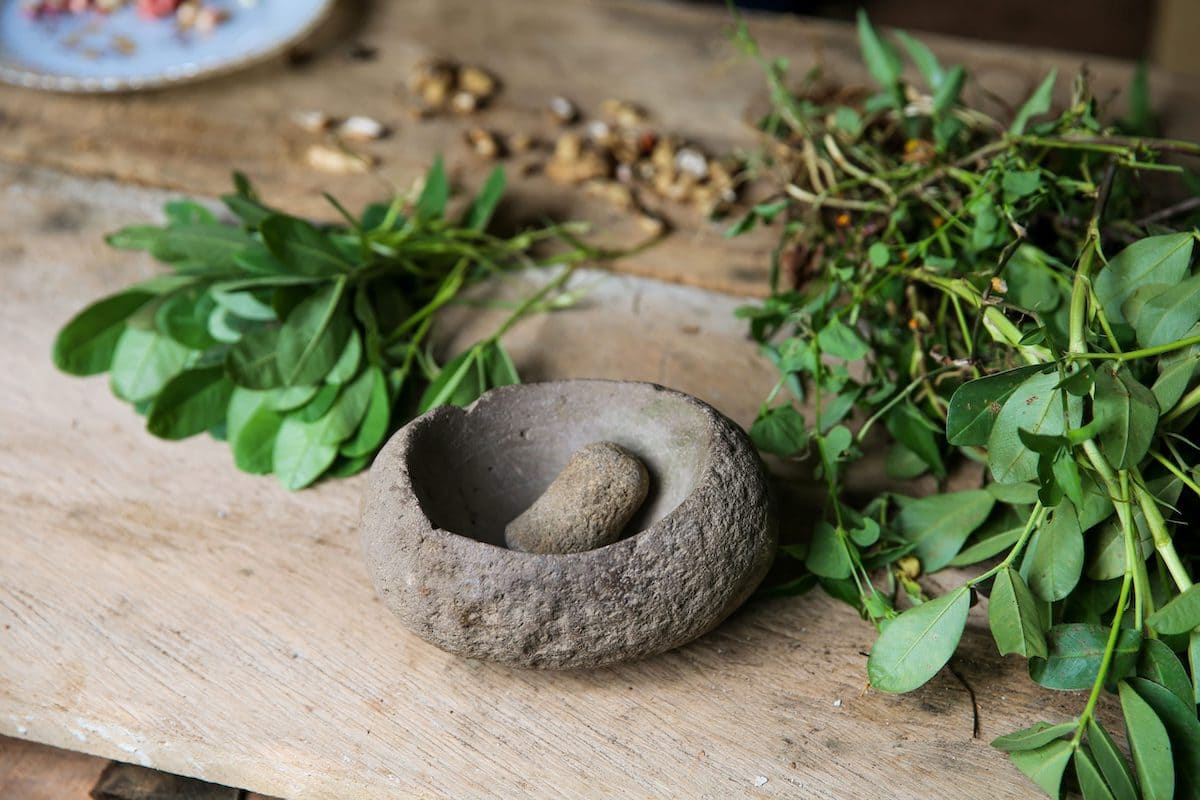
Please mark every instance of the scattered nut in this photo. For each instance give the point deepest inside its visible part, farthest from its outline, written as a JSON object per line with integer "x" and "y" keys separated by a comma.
{"x": 519, "y": 143}
{"x": 312, "y": 121}
{"x": 624, "y": 113}
{"x": 562, "y": 110}
{"x": 692, "y": 162}
{"x": 484, "y": 143}
{"x": 477, "y": 81}
{"x": 339, "y": 162}
{"x": 464, "y": 103}
{"x": 616, "y": 194}
{"x": 362, "y": 129}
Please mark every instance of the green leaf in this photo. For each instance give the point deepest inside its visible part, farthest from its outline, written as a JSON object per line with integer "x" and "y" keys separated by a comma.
{"x": 910, "y": 427}
{"x": 347, "y": 364}
{"x": 1038, "y": 103}
{"x": 203, "y": 247}
{"x": 914, "y": 646}
{"x": 986, "y": 547}
{"x": 1107, "y": 552}
{"x": 1194, "y": 662}
{"x": 780, "y": 431}
{"x": 86, "y": 344}
{"x": 436, "y": 192}
{"x": 1180, "y": 615}
{"x": 1112, "y": 764}
{"x": 135, "y": 237}
{"x": 320, "y": 403}
{"x": 1057, "y": 555}
{"x": 242, "y": 303}
{"x": 300, "y": 456}
{"x": 254, "y": 444}
{"x": 1019, "y": 183}
{"x": 1066, "y": 475}
{"x": 479, "y": 214}
{"x": 1037, "y": 735}
{"x": 498, "y": 365}
{"x": 251, "y": 362}
{"x": 313, "y": 336}
{"x": 243, "y": 403}
{"x": 458, "y": 383}
{"x": 1149, "y": 745}
{"x": 1178, "y": 717}
{"x": 1036, "y": 406}
{"x": 880, "y": 57}
{"x": 143, "y": 363}
{"x": 924, "y": 59}
{"x": 184, "y": 317}
{"x": 192, "y": 402}
{"x": 1158, "y": 663}
{"x": 226, "y": 327}
{"x": 940, "y": 523}
{"x": 839, "y": 340}
{"x": 827, "y": 554}
{"x": 947, "y": 94}
{"x": 344, "y": 417}
{"x": 1013, "y": 617}
{"x": 1169, "y": 315}
{"x": 1046, "y": 765}
{"x": 1155, "y": 259}
{"x": 288, "y": 398}
{"x": 188, "y": 212}
{"x": 1074, "y": 653}
{"x": 1017, "y": 494}
{"x": 374, "y": 427}
{"x": 1091, "y": 783}
{"x": 1174, "y": 380}
{"x": 976, "y": 404}
{"x": 303, "y": 247}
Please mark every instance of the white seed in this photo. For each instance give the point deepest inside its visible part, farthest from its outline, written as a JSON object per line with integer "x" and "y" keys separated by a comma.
{"x": 338, "y": 162}
{"x": 563, "y": 110}
{"x": 362, "y": 129}
{"x": 311, "y": 121}
{"x": 464, "y": 102}
{"x": 692, "y": 162}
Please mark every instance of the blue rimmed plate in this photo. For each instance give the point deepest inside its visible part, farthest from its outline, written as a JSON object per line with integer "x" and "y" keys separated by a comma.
{"x": 124, "y": 52}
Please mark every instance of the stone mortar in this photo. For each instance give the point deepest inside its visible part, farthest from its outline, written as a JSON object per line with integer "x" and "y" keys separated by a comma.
{"x": 442, "y": 490}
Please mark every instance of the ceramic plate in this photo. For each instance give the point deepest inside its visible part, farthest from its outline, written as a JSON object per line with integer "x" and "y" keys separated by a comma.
{"x": 123, "y": 52}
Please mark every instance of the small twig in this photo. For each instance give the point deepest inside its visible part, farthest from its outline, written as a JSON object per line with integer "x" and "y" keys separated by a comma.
{"x": 974, "y": 700}
{"x": 1170, "y": 211}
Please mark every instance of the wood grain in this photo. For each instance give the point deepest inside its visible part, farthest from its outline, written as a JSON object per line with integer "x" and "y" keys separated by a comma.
{"x": 158, "y": 607}
{"x": 676, "y": 61}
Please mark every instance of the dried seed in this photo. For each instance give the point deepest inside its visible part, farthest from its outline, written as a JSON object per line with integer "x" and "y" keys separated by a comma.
{"x": 362, "y": 129}
{"x": 584, "y": 165}
{"x": 312, "y": 121}
{"x": 484, "y": 143}
{"x": 600, "y": 132}
{"x": 652, "y": 224}
{"x": 477, "y": 81}
{"x": 519, "y": 143}
{"x": 568, "y": 147}
{"x": 336, "y": 161}
{"x": 624, "y": 113}
{"x": 563, "y": 110}
{"x": 616, "y": 194}
{"x": 464, "y": 103}
{"x": 691, "y": 161}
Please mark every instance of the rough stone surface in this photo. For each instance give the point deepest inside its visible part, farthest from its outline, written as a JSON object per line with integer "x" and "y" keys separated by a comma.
{"x": 443, "y": 489}
{"x": 587, "y": 506}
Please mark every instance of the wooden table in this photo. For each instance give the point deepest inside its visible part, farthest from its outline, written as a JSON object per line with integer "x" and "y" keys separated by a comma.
{"x": 158, "y": 607}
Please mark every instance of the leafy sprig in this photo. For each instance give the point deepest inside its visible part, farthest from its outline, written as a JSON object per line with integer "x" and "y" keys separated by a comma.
{"x": 303, "y": 346}
{"x": 1002, "y": 299}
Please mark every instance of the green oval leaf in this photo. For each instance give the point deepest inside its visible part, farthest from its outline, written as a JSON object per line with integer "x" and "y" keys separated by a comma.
{"x": 346, "y": 367}
{"x": 780, "y": 431}
{"x": 299, "y": 456}
{"x": 1046, "y": 765}
{"x": 1128, "y": 416}
{"x": 1158, "y": 663}
{"x": 1091, "y": 783}
{"x": 975, "y": 405}
{"x": 940, "y": 523}
{"x": 1149, "y": 744}
{"x": 191, "y": 402}
{"x": 1013, "y": 617}
{"x": 143, "y": 363}
{"x": 303, "y": 247}
{"x": 1038, "y": 103}
{"x": 313, "y": 336}
{"x": 827, "y": 553}
{"x": 1037, "y": 407}
{"x": 1180, "y": 615}
{"x": 1036, "y": 735}
{"x": 1057, "y": 555}
{"x": 254, "y": 444}
{"x": 1155, "y": 259}
{"x": 85, "y": 345}
{"x": 374, "y": 426}
{"x": 1074, "y": 653}
{"x": 1112, "y": 764}
{"x": 914, "y": 646}
{"x": 251, "y": 363}
{"x": 1170, "y": 314}
{"x": 1183, "y": 731}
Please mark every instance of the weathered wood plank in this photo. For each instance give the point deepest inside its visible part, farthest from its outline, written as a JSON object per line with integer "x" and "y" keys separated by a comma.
{"x": 156, "y": 606}
{"x": 676, "y": 61}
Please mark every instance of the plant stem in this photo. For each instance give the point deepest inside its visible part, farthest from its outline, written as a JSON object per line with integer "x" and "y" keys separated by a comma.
{"x": 1185, "y": 404}
{"x": 534, "y": 298}
{"x": 1109, "y": 648}
{"x": 1158, "y": 531}
{"x": 1133, "y": 355}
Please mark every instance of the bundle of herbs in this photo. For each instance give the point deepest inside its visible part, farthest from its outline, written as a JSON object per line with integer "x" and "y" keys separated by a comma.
{"x": 1000, "y": 296}
{"x": 303, "y": 346}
